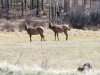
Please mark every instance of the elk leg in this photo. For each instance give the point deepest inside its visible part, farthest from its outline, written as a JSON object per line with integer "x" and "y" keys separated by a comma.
{"x": 30, "y": 38}
{"x": 42, "y": 37}
{"x": 66, "y": 35}
{"x": 57, "y": 37}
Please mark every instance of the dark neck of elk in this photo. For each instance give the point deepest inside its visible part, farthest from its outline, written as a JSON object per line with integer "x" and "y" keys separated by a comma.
{"x": 50, "y": 25}
{"x": 26, "y": 27}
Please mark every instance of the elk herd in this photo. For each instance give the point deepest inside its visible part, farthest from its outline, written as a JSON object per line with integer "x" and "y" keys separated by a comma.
{"x": 56, "y": 28}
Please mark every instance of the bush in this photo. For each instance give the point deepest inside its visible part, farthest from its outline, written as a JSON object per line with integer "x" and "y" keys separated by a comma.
{"x": 77, "y": 17}
{"x": 21, "y": 26}
{"x": 8, "y": 27}
{"x": 44, "y": 13}
{"x": 81, "y": 19}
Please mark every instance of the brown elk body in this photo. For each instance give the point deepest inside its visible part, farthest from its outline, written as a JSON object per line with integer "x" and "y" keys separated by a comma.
{"x": 59, "y": 29}
{"x": 34, "y": 31}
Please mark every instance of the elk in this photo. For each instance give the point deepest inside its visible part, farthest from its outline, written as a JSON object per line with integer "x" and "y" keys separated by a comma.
{"x": 59, "y": 29}
{"x": 34, "y": 31}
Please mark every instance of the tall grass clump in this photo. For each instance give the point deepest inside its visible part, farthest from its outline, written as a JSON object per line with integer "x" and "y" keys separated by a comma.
{"x": 21, "y": 26}
{"x": 8, "y": 27}
{"x": 10, "y": 69}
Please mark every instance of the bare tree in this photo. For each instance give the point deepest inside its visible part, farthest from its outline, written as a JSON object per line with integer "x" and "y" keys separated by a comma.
{"x": 22, "y": 7}
{"x": 49, "y": 12}
{"x": 2, "y": 3}
{"x": 75, "y": 2}
{"x": 90, "y": 3}
{"x": 25, "y": 4}
{"x": 31, "y": 4}
{"x": 84, "y": 4}
{"x": 37, "y": 11}
{"x": 7, "y": 4}
{"x": 52, "y": 11}
{"x": 66, "y": 6}
{"x": 42, "y": 4}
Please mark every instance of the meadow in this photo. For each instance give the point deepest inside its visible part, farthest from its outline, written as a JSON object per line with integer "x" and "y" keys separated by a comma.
{"x": 19, "y": 56}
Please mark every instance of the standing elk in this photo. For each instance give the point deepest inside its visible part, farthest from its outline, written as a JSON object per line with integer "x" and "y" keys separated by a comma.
{"x": 59, "y": 29}
{"x": 34, "y": 31}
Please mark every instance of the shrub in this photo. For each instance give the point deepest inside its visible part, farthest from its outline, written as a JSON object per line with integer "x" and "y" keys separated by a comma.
{"x": 21, "y": 26}
{"x": 77, "y": 17}
{"x": 8, "y": 27}
{"x": 44, "y": 13}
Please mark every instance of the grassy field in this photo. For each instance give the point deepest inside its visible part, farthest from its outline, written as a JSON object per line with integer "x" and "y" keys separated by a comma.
{"x": 60, "y": 55}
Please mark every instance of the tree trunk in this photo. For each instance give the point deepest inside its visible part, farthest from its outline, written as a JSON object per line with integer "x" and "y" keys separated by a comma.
{"x": 60, "y": 13}
{"x": 32, "y": 4}
{"x": 66, "y": 6}
{"x": 90, "y": 4}
{"x": 83, "y": 4}
{"x": 55, "y": 12}
{"x": 7, "y": 4}
{"x": 75, "y": 3}
{"x": 22, "y": 7}
{"x": 2, "y": 3}
{"x": 49, "y": 12}
{"x": 37, "y": 11}
{"x": 42, "y": 4}
{"x": 14, "y": 3}
{"x": 17, "y": 4}
{"x": 7, "y": 8}
{"x": 11, "y": 3}
{"x": 25, "y": 4}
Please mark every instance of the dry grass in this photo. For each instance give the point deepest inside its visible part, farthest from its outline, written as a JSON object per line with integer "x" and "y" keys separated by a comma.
{"x": 8, "y": 69}
{"x": 67, "y": 55}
